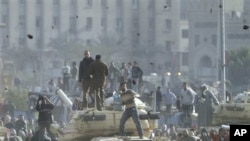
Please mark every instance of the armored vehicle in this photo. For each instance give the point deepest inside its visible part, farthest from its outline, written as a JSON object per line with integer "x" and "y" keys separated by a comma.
{"x": 86, "y": 124}
{"x": 235, "y": 112}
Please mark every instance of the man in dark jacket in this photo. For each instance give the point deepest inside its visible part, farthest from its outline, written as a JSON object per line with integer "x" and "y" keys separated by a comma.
{"x": 136, "y": 76}
{"x": 113, "y": 76}
{"x": 99, "y": 71}
{"x": 21, "y": 124}
{"x": 158, "y": 98}
{"x": 83, "y": 78}
{"x": 44, "y": 106}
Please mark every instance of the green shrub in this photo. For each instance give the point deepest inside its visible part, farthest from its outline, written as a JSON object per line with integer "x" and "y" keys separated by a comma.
{"x": 19, "y": 97}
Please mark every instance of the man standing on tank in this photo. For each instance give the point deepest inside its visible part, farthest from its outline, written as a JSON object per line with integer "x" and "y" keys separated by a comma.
{"x": 83, "y": 77}
{"x": 128, "y": 99}
{"x": 98, "y": 70}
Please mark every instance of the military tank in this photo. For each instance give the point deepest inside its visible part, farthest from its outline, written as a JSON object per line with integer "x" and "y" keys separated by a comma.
{"x": 236, "y": 111}
{"x": 86, "y": 124}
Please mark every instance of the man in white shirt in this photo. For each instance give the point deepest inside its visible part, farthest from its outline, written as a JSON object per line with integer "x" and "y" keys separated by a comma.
{"x": 66, "y": 76}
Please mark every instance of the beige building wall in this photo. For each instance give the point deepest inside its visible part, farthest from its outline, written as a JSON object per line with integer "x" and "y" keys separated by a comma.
{"x": 31, "y": 22}
{"x": 13, "y": 23}
{"x": 137, "y": 10}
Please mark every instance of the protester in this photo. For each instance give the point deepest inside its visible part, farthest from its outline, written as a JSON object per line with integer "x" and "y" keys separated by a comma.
{"x": 204, "y": 106}
{"x": 98, "y": 70}
{"x": 136, "y": 76}
{"x": 84, "y": 79}
{"x": 187, "y": 98}
{"x": 21, "y": 124}
{"x": 128, "y": 99}
{"x": 124, "y": 73}
{"x": 170, "y": 101}
{"x": 44, "y": 107}
{"x": 66, "y": 76}
{"x": 113, "y": 77}
{"x": 187, "y": 103}
{"x": 73, "y": 79}
{"x": 158, "y": 98}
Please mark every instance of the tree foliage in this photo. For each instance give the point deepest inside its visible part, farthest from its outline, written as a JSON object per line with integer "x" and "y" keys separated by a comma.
{"x": 19, "y": 97}
{"x": 239, "y": 66}
{"x": 68, "y": 49}
{"x": 21, "y": 56}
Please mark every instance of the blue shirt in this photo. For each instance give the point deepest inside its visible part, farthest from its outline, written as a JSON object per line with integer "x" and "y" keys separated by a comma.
{"x": 170, "y": 98}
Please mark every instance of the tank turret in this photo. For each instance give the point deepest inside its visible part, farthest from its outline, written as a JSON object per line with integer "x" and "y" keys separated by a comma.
{"x": 86, "y": 124}
{"x": 235, "y": 112}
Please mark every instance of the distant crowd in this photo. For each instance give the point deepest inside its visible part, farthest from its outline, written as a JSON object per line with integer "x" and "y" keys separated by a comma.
{"x": 92, "y": 80}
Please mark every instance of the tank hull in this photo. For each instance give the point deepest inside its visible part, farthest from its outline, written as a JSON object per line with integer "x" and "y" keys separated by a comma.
{"x": 88, "y": 124}
{"x": 232, "y": 113}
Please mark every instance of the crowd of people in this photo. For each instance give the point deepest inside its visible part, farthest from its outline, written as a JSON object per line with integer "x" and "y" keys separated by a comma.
{"x": 171, "y": 133}
{"x": 21, "y": 128}
{"x": 95, "y": 79}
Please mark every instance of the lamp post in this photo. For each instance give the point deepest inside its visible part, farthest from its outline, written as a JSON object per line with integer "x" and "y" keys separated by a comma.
{"x": 173, "y": 77}
{"x": 2, "y": 25}
{"x": 222, "y": 44}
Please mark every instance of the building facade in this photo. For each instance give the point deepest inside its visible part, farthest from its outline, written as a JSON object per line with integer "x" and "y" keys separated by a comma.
{"x": 146, "y": 27}
{"x": 204, "y": 36}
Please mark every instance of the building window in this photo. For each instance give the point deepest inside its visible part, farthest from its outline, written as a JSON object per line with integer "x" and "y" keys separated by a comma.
{"x": 168, "y": 25}
{"x": 169, "y": 3}
{"x": 55, "y": 21}
{"x": 89, "y": 3}
{"x": 72, "y": 25}
{"x": 102, "y": 21}
{"x": 4, "y": 9}
{"x": 119, "y": 3}
{"x": 22, "y": 1}
{"x": 135, "y": 22}
{"x": 5, "y": 1}
{"x": 38, "y": 21}
{"x": 5, "y": 42}
{"x": 88, "y": 42}
{"x": 185, "y": 59}
{"x": 151, "y": 24}
{"x": 238, "y": 36}
{"x": 89, "y": 23}
{"x": 21, "y": 21}
{"x": 38, "y": 9}
{"x": 39, "y": 43}
{"x": 118, "y": 24}
{"x": 205, "y": 25}
{"x": 22, "y": 41}
{"x": 56, "y": 9}
{"x": 73, "y": 2}
{"x": 184, "y": 33}
{"x": 104, "y": 3}
{"x": 5, "y": 19}
{"x": 168, "y": 45}
{"x": 22, "y": 9}
{"x": 56, "y": 2}
{"x": 196, "y": 40}
{"x": 135, "y": 4}
{"x": 38, "y": 1}
{"x": 206, "y": 62}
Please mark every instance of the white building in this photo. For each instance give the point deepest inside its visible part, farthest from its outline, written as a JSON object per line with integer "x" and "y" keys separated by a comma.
{"x": 148, "y": 26}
